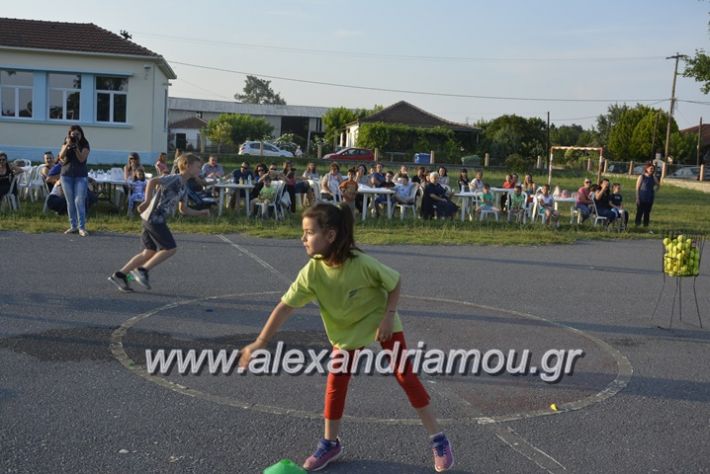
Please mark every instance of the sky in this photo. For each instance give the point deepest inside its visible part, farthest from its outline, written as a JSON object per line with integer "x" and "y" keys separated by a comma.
{"x": 462, "y": 60}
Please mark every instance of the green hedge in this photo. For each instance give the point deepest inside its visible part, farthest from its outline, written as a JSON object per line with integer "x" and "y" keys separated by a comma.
{"x": 406, "y": 139}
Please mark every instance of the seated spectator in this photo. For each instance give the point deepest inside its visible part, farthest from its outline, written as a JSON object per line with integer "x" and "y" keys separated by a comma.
{"x": 529, "y": 187}
{"x": 487, "y": 203}
{"x": 403, "y": 190}
{"x": 616, "y": 202}
{"x": 377, "y": 177}
{"x": 601, "y": 198}
{"x": 311, "y": 172}
{"x": 444, "y": 177}
{"x": 421, "y": 178}
{"x": 58, "y": 203}
{"x": 7, "y": 175}
{"x": 267, "y": 195}
{"x": 436, "y": 199}
{"x": 517, "y": 204}
{"x": 381, "y": 200}
{"x": 330, "y": 183}
{"x": 584, "y": 199}
{"x": 260, "y": 172}
{"x": 508, "y": 183}
{"x": 54, "y": 173}
{"x": 546, "y": 204}
{"x": 476, "y": 184}
{"x": 241, "y": 175}
{"x": 134, "y": 162}
{"x": 403, "y": 171}
{"x": 348, "y": 189}
{"x": 137, "y": 194}
{"x": 161, "y": 166}
{"x": 44, "y": 168}
{"x": 212, "y": 169}
{"x": 463, "y": 180}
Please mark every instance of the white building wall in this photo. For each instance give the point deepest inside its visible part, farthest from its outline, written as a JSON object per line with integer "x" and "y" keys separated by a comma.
{"x": 145, "y": 130}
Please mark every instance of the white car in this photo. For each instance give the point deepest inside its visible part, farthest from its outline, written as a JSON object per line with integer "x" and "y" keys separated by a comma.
{"x": 254, "y": 149}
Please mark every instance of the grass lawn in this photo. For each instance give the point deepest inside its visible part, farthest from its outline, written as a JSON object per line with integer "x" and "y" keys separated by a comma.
{"x": 675, "y": 209}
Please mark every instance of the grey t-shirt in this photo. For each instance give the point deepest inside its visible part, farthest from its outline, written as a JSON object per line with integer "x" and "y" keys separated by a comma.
{"x": 171, "y": 189}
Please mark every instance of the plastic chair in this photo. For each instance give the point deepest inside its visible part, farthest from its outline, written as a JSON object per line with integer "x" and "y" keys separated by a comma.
{"x": 595, "y": 214}
{"x": 277, "y": 205}
{"x": 411, "y": 204}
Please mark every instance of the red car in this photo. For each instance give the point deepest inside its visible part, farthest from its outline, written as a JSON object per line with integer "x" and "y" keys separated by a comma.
{"x": 351, "y": 154}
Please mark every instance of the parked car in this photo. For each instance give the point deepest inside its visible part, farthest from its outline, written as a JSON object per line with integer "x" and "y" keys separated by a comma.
{"x": 690, "y": 172}
{"x": 351, "y": 154}
{"x": 254, "y": 148}
{"x": 617, "y": 168}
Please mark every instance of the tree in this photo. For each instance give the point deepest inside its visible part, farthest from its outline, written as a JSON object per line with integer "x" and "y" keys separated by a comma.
{"x": 337, "y": 118}
{"x": 258, "y": 91}
{"x": 698, "y": 67}
{"x": 219, "y": 132}
{"x": 510, "y": 134}
{"x": 619, "y": 142}
{"x": 605, "y": 123}
{"x": 241, "y": 127}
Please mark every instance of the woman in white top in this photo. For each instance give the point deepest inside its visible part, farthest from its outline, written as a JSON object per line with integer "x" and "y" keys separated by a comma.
{"x": 311, "y": 172}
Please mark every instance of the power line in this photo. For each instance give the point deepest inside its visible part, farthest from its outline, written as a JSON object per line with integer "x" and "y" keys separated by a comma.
{"x": 405, "y": 91}
{"x": 366, "y": 54}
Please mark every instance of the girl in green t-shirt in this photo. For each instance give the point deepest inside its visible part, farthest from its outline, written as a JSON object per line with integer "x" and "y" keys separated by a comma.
{"x": 358, "y": 299}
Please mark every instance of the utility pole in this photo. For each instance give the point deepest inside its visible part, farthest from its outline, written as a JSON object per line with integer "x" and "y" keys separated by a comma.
{"x": 700, "y": 132}
{"x": 670, "y": 110}
{"x": 547, "y": 148}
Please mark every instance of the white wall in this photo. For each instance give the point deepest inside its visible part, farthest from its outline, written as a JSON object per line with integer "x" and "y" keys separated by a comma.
{"x": 145, "y": 130}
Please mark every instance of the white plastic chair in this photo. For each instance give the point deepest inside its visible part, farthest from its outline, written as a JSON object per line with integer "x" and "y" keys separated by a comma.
{"x": 522, "y": 215}
{"x": 412, "y": 204}
{"x": 37, "y": 189}
{"x": 23, "y": 182}
{"x": 595, "y": 214}
{"x": 277, "y": 205}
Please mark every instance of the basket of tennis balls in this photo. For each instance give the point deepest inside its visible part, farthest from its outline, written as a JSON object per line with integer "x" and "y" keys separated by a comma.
{"x": 682, "y": 255}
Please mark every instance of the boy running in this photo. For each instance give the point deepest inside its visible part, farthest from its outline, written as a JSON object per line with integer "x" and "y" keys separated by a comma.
{"x": 158, "y": 241}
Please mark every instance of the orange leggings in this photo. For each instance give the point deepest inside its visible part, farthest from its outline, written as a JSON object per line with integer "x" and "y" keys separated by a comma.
{"x": 337, "y": 387}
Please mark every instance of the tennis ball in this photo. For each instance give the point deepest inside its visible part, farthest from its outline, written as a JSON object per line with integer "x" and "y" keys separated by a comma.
{"x": 553, "y": 406}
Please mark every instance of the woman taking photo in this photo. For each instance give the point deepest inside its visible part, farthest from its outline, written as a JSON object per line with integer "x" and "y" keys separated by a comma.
{"x": 74, "y": 178}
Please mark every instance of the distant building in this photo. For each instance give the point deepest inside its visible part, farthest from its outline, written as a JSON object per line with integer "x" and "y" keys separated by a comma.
{"x": 404, "y": 113}
{"x": 301, "y": 120}
{"x": 55, "y": 74}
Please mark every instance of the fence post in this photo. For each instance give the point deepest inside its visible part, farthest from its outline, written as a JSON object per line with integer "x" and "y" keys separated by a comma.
{"x": 261, "y": 148}
{"x": 432, "y": 154}
{"x": 589, "y": 164}
{"x": 702, "y": 172}
{"x": 320, "y": 152}
{"x": 663, "y": 170}
{"x": 606, "y": 165}
{"x": 538, "y": 163}
{"x": 377, "y": 154}
{"x": 631, "y": 167}
{"x": 486, "y": 160}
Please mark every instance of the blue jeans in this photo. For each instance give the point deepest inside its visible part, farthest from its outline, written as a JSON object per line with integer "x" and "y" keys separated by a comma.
{"x": 75, "y": 190}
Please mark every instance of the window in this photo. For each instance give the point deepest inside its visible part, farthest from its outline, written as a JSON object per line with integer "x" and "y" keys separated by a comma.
{"x": 64, "y": 93}
{"x": 111, "y": 95}
{"x": 15, "y": 93}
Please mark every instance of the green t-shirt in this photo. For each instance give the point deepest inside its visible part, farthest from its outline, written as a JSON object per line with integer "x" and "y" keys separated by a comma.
{"x": 517, "y": 201}
{"x": 352, "y": 298}
{"x": 267, "y": 193}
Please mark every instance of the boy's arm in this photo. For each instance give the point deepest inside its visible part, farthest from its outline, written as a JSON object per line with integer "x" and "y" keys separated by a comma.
{"x": 384, "y": 331}
{"x": 148, "y": 195}
{"x": 278, "y": 316}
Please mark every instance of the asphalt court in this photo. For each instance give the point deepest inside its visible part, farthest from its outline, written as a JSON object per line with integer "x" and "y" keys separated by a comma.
{"x": 63, "y": 323}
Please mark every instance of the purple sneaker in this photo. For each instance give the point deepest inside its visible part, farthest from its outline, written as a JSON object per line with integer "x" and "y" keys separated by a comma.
{"x": 443, "y": 456}
{"x": 327, "y": 451}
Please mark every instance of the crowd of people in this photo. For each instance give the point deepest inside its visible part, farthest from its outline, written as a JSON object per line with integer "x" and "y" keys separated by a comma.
{"x": 430, "y": 191}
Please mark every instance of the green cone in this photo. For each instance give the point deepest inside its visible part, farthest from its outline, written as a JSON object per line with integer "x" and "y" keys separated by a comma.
{"x": 285, "y": 466}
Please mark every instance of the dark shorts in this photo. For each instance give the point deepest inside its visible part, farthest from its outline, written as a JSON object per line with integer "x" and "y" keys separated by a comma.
{"x": 157, "y": 236}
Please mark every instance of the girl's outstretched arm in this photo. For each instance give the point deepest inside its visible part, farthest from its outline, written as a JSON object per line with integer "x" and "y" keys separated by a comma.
{"x": 384, "y": 332}
{"x": 278, "y": 316}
